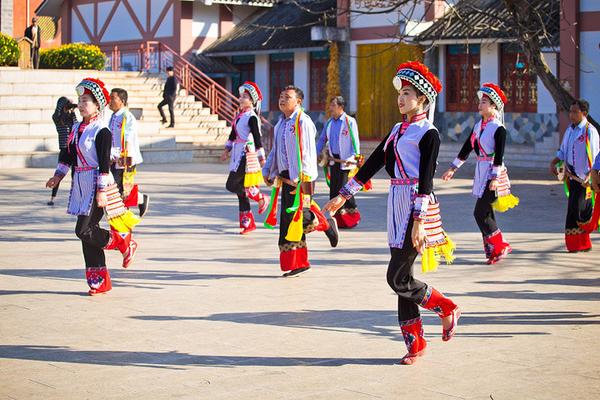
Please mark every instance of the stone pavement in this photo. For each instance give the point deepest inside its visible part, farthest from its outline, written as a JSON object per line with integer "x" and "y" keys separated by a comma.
{"x": 203, "y": 313}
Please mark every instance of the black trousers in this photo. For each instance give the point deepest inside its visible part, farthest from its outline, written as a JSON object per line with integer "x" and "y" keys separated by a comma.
{"x": 484, "y": 213}
{"x": 35, "y": 57}
{"x": 93, "y": 238}
{"x": 55, "y": 190}
{"x": 400, "y": 277}
{"x": 579, "y": 209}
{"x": 167, "y": 101}
{"x": 285, "y": 218}
{"x": 235, "y": 184}
{"x": 338, "y": 178}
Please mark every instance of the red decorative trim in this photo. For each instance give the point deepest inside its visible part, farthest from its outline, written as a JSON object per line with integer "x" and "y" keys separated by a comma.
{"x": 376, "y": 32}
{"x": 294, "y": 259}
{"x": 578, "y": 242}
{"x": 589, "y": 21}
{"x": 347, "y": 220}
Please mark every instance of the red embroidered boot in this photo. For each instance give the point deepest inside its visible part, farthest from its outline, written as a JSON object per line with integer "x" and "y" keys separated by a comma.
{"x": 98, "y": 279}
{"x": 412, "y": 330}
{"x": 247, "y": 222}
{"x": 444, "y": 308}
{"x": 499, "y": 248}
{"x": 124, "y": 243}
{"x": 255, "y": 194}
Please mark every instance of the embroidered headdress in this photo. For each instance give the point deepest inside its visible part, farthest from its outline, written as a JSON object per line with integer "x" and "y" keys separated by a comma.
{"x": 419, "y": 76}
{"x": 96, "y": 88}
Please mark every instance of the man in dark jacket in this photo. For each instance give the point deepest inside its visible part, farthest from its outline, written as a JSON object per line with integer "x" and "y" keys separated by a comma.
{"x": 34, "y": 33}
{"x": 169, "y": 95}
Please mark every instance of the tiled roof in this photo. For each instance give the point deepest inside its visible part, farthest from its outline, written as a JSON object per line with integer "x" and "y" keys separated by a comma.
{"x": 286, "y": 25}
{"x": 485, "y": 19}
{"x": 214, "y": 66}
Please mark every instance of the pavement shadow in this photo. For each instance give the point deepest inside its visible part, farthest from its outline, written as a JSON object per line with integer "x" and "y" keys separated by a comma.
{"x": 383, "y": 323}
{"x": 121, "y": 277}
{"x": 171, "y": 359}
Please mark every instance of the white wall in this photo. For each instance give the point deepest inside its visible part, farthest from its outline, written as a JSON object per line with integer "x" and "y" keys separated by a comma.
{"x": 489, "y": 60}
{"x": 589, "y": 77}
{"x": 206, "y": 21}
{"x": 302, "y": 74}
{"x": 261, "y": 76}
{"x": 546, "y": 103}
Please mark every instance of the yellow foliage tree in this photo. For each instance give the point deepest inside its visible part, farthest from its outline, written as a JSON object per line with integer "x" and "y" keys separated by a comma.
{"x": 333, "y": 75}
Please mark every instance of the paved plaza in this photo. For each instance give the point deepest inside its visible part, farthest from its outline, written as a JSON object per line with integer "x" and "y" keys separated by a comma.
{"x": 204, "y": 314}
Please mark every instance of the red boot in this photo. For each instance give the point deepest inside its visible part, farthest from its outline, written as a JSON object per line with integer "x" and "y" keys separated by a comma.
{"x": 247, "y": 222}
{"x": 443, "y": 307}
{"x": 499, "y": 248}
{"x": 98, "y": 279}
{"x": 124, "y": 243}
{"x": 412, "y": 330}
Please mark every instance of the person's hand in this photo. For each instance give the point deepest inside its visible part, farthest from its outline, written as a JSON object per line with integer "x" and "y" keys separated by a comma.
{"x": 418, "y": 235}
{"x": 268, "y": 181}
{"x": 493, "y": 185}
{"x": 553, "y": 169}
{"x": 224, "y": 155}
{"x": 101, "y": 198}
{"x": 449, "y": 174}
{"x": 596, "y": 180}
{"x": 334, "y": 204}
{"x": 54, "y": 181}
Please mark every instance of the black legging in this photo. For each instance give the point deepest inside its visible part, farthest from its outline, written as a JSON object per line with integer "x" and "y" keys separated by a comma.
{"x": 579, "y": 209}
{"x": 400, "y": 277}
{"x": 484, "y": 213}
{"x": 93, "y": 238}
{"x": 167, "y": 101}
{"x": 235, "y": 184}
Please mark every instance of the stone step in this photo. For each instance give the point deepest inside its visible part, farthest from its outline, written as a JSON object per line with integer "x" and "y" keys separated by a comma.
{"x": 50, "y": 142}
{"x": 37, "y": 113}
{"x": 48, "y": 159}
{"x": 68, "y": 89}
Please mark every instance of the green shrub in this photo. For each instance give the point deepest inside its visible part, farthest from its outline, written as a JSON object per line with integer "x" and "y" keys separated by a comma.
{"x": 73, "y": 56}
{"x": 9, "y": 51}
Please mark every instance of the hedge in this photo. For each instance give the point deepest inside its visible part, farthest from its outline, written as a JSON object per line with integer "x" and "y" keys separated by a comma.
{"x": 9, "y": 50}
{"x": 73, "y": 56}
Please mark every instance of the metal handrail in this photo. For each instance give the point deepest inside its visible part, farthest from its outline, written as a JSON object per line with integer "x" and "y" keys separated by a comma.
{"x": 154, "y": 56}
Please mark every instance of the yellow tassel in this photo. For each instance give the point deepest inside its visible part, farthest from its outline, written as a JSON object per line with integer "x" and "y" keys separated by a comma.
{"x": 505, "y": 203}
{"x": 352, "y": 172}
{"x": 253, "y": 179}
{"x": 429, "y": 262}
{"x": 296, "y": 229}
{"x": 124, "y": 223}
{"x": 431, "y": 256}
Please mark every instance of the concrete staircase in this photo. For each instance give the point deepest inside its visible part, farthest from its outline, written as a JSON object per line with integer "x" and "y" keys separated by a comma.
{"x": 28, "y": 137}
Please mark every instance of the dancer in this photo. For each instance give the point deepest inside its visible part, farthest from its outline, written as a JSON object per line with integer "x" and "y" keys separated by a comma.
{"x": 125, "y": 154}
{"x": 63, "y": 118}
{"x": 292, "y": 168}
{"x": 340, "y": 134}
{"x": 577, "y": 152}
{"x": 93, "y": 188}
{"x": 491, "y": 186}
{"x": 247, "y": 156}
{"x": 409, "y": 154}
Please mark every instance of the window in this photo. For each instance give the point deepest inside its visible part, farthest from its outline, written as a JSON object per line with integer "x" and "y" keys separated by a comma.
{"x": 319, "y": 60}
{"x": 517, "y": 80}
{"x": 462, "y": 77}
{"x": 245, "y": 64}
{"x": 281, "y": 69}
